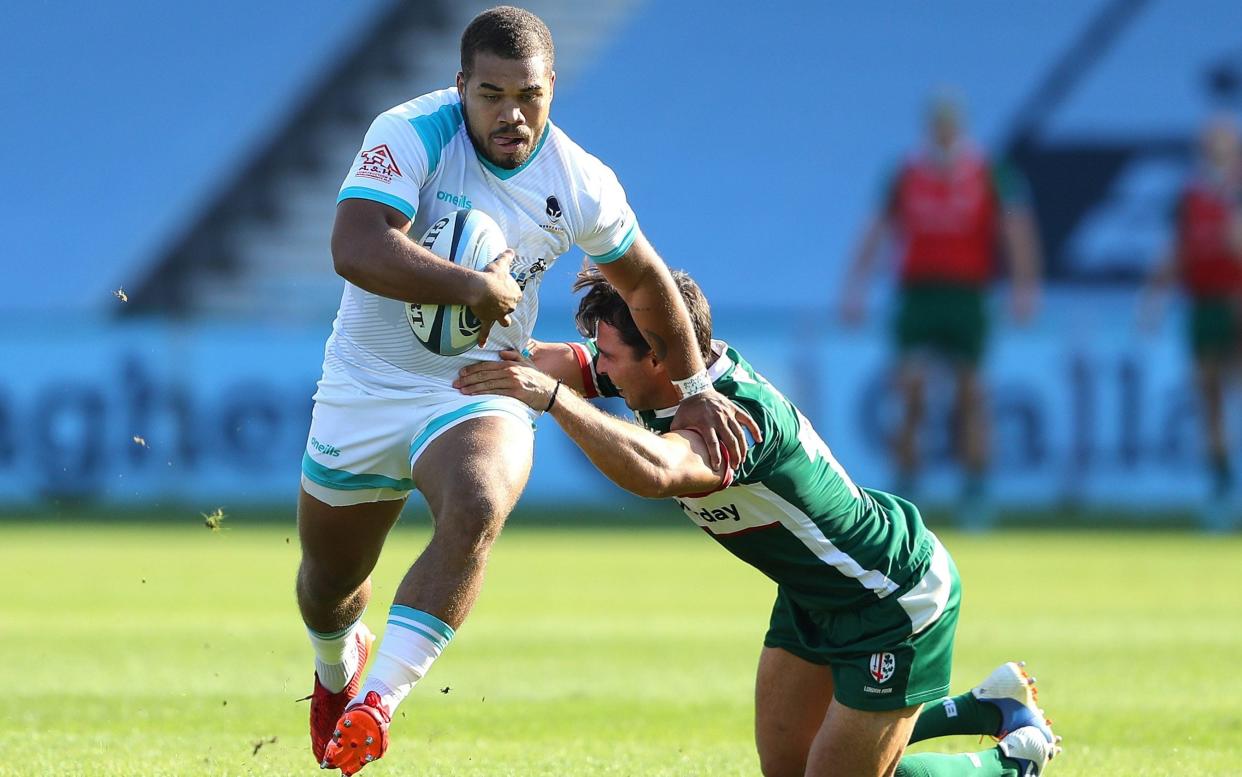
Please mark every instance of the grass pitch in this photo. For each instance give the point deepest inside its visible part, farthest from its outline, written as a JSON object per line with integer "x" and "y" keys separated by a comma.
{"x": 175, "y": 650}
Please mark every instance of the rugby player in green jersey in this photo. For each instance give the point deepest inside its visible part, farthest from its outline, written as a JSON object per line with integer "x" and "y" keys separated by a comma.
{"x": 861, "y": 634}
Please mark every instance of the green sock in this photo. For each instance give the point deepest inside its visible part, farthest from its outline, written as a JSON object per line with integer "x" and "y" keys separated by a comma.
{"x": 989, "y": 763}
{"x": 957, "y": 715}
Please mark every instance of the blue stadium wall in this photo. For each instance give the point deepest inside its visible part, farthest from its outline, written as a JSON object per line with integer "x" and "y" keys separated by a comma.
{"x": 208, "y": 413}
{"x": 752, "y": 142}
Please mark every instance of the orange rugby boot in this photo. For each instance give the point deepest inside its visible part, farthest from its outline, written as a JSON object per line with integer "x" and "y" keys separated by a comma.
{"x": 326, "y": 707}
{"x": 360, "y": 736}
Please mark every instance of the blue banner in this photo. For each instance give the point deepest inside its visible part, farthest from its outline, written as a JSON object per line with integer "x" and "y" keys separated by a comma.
{"x": 216, "y": 414}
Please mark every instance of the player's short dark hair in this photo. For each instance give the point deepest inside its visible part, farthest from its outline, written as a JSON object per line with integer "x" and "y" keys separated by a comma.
{"x": 507, "y": 32}
{"x": 603, "y": 302}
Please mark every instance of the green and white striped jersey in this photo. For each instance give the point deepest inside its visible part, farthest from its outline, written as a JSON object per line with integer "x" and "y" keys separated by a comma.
{"x": 793, "y": 513}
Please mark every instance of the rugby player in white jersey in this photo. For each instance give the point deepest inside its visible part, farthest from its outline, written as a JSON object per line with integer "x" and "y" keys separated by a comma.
{"x": 861, "y": 634}
{"x": 386, "y": 418}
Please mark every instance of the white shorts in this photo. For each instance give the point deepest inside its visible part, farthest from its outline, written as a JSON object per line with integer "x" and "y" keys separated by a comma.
{"x": 362, "y": 445}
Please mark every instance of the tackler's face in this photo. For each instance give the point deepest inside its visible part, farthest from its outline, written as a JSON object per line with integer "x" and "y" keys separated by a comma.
{"x": 506, "y": 103}
{"x": 638, "y": 378}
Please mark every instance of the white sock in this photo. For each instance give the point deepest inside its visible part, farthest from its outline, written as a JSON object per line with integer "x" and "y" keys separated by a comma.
{"x": 336, "y": 656}
{"x": 412, "y": 642}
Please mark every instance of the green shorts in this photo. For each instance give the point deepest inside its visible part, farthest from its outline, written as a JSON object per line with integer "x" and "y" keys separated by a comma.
{"x": 1214, "y": 327}
{"x": 948, "y": 319}
{"x": 877, "y": 663}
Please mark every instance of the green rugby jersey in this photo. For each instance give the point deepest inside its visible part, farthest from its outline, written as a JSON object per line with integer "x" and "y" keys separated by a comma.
{"x": 793, "y": 513}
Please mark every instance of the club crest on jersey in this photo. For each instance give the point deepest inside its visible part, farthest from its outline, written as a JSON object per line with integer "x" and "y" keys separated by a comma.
{"x": 554, "y": 208}
{"x": 378, "y": 164}
{"x": 882, "y": 666}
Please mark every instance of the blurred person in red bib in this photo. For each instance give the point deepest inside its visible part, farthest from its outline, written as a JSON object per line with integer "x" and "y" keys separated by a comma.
{"x": 948, "y": 211}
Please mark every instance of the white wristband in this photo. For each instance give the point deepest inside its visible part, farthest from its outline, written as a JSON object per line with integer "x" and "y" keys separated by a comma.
{"x": 695, "y": 384}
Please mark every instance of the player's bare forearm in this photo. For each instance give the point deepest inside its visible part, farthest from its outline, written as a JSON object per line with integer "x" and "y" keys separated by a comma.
{"x": 641, "y": 462}
{"x": 635, "y": 459}
{"x": 656, "y": 304}
{"x": 559, "y": 361}
{"x": 1164, "y": 273}
{"x": 868, "y": 249}
{"x": 852, "y": 301}
{"x": 643, "y": 280}
{"x": 1152, "y": 299}
{"x": 371, "y": 250}
{"x": 1022, "y": 244}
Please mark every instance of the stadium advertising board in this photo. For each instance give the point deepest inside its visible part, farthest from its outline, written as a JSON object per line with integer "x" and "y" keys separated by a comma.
{"x": 143, "y": 414}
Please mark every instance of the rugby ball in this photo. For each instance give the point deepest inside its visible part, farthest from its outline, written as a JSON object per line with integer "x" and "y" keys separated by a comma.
{"x": 470, "y": 238}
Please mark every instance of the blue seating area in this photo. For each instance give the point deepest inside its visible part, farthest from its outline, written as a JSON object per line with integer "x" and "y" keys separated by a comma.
{"x": 746, "y": 135}
{"x": 121, "y": 120}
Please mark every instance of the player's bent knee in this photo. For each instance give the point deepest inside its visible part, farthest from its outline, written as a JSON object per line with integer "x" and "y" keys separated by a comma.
{"x": 330, "y": 581}
{"x": 468, "y": 533}
{"x": 473, "y": 521}
{"x": 323, "y": 571}
{"x": 472, "y": 476}
{"x": 782, "y": 753}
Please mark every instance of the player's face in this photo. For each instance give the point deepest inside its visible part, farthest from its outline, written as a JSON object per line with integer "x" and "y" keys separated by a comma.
{"x": 640, "y": 379}
{"x": 506, "y": 103}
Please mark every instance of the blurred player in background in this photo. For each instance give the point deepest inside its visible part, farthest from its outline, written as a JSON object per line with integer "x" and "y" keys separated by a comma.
{"x": 1206, "y": 257}
{"x": 948, "y": 210}
{"x": 386, "y": 418}
{"x": 862, "y": 629}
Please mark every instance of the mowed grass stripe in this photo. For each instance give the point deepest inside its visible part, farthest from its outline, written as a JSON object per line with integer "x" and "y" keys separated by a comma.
{"x": 592, "y": 652}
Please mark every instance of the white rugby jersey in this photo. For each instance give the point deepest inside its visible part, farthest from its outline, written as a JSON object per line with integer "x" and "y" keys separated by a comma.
{"x": 418, "y": 158}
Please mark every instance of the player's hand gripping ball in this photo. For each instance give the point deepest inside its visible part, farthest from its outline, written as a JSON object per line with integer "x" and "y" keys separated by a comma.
{"x": 470, "y": 238}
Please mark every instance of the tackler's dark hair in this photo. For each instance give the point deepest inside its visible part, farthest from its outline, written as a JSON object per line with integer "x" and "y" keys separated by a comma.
{"x": 602, "y": 302}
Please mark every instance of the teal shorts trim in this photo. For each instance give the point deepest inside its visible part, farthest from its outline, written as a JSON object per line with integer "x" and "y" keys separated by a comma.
{"x": 362, "y": 446}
